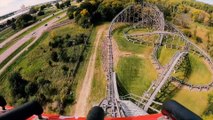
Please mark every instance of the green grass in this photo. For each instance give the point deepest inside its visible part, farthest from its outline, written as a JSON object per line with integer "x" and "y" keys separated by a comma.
{"x": 35, "y": 63}
{"x": 135, "y": 74}
{"x": 40, "y": 55}
{"x": 3, "y": 77}
{"x": 165, "y": 55}
{"x": 200, "y": 72}
{"x": 125, "y": 45}
{"x": 6, "y": 34}
{"x": 193, "y": 100}
{"x": 196, "y": 101}
{"x": 139, "y": 30}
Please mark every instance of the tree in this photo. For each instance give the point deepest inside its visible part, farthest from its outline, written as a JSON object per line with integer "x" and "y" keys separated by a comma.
{"x": 67, "y": 3}
{"x": 33, "y": 10}
{"x": 13, "y": 26}
{"x": 70, "y": 12}
{"x": 31, "y": 88}
{"x": 54, "y": 56}
{"x": 57, "y": 5}
{"x": 9, "y": 22}
{"x": 42, "y": 7}
{"x": 79, "y": 1}
{"x": 62, "y": 6}
{"x": 17, "y": 84}
{"x": 182, "y": 20}
{"x": 88, "y": 6}
{"x": 24, "y": 20}
{"x": 40, "y": 13}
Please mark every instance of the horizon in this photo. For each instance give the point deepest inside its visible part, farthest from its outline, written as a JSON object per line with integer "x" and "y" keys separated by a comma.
{"x": 9, "y": 6}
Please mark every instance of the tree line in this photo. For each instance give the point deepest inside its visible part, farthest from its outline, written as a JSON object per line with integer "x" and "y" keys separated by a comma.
{"x": 95, "y": 11}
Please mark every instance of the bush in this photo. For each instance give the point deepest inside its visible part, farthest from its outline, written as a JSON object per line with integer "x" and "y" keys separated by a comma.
{"x": 199, "y": 40}
{"x": 54, "y": 56}
{"x": 40, "y": 13}
{"x": 31, "y": 88}
{"x": 24, "y": 21}
{"x": 70, "y": 12}
{"x": 187, "y": 33}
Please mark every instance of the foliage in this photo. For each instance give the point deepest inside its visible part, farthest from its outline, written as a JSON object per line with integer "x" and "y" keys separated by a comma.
{"x": 209, "y": 111}
{"x": 33, "y": 10}
{"x": 70, "y": 12}
{"x": 67, "y": 3}
{"x": 42, "y": 7}
{"x": 198, "y": 12}
{"x": 24, "y": 20}
{"x": 57, "y": 5}
{"x": 17, "y": 84}
{"x": 40, "y": 13}
{"x": 91, "y": 12}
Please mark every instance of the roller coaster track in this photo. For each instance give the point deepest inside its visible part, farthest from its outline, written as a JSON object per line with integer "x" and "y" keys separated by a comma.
{"x": 144, "y": 15}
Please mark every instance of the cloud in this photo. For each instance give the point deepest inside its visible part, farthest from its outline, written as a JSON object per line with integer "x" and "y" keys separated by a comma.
{"x": 7, "y": 6}
{"x": 5, "y": 3}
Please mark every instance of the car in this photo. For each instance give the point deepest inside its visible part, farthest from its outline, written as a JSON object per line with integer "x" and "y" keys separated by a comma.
{"x": 33, "y": 33}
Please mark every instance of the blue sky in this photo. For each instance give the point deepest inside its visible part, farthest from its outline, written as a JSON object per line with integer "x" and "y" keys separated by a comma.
{"x": 7, "y": 6}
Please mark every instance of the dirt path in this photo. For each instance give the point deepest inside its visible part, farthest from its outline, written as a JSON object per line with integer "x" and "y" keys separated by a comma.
{"x": 80, "y": 108}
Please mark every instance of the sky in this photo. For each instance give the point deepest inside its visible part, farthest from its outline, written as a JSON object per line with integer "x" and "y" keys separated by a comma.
{"x": 207, "y": 1}
{"x": 7, "y": 6}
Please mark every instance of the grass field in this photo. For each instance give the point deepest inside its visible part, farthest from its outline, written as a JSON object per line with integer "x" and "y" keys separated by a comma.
{"x": 6, "y": 33}
{"x": 200, "y": 72}
{"x": 135, "y": 74}
{"x": 194, "y": 100}
{"x": 36, "y": 64}
{"x": 165, "y": 55}
{"x": 125, "y": 45}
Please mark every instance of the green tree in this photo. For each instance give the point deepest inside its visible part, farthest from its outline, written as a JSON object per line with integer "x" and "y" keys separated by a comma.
{"x": 54, "y": 56}
{"x": 57, "y": 5}
{"x": 40, "y": 13}
{"x": 67, "y": 3}
{"x": 70, "y": 11}
{"x": 24, "y": 20}
{"x": 31, "y": 88}
{"x": 17, "y": 84}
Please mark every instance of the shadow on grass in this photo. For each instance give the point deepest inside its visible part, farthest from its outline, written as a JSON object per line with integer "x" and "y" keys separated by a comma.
{"x": 121, "y": 89}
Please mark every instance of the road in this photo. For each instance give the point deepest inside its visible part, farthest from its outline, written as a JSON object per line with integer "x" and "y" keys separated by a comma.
{"x": 35, "y": 34}
{"x": 81, "y": 106}
{"x": 20, "y": 32}
{"x": 164, "y": 79}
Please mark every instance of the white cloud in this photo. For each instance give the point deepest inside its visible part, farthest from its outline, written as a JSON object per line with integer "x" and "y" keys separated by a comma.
{"x": 4, "y": 3}
{"x": 207, "y": 1}
{"x": 7, "y": 6}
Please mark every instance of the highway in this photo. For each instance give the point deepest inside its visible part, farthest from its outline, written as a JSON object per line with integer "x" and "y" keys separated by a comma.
{"x": 23, "y": 30}
{"x": 34, "y": 34}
